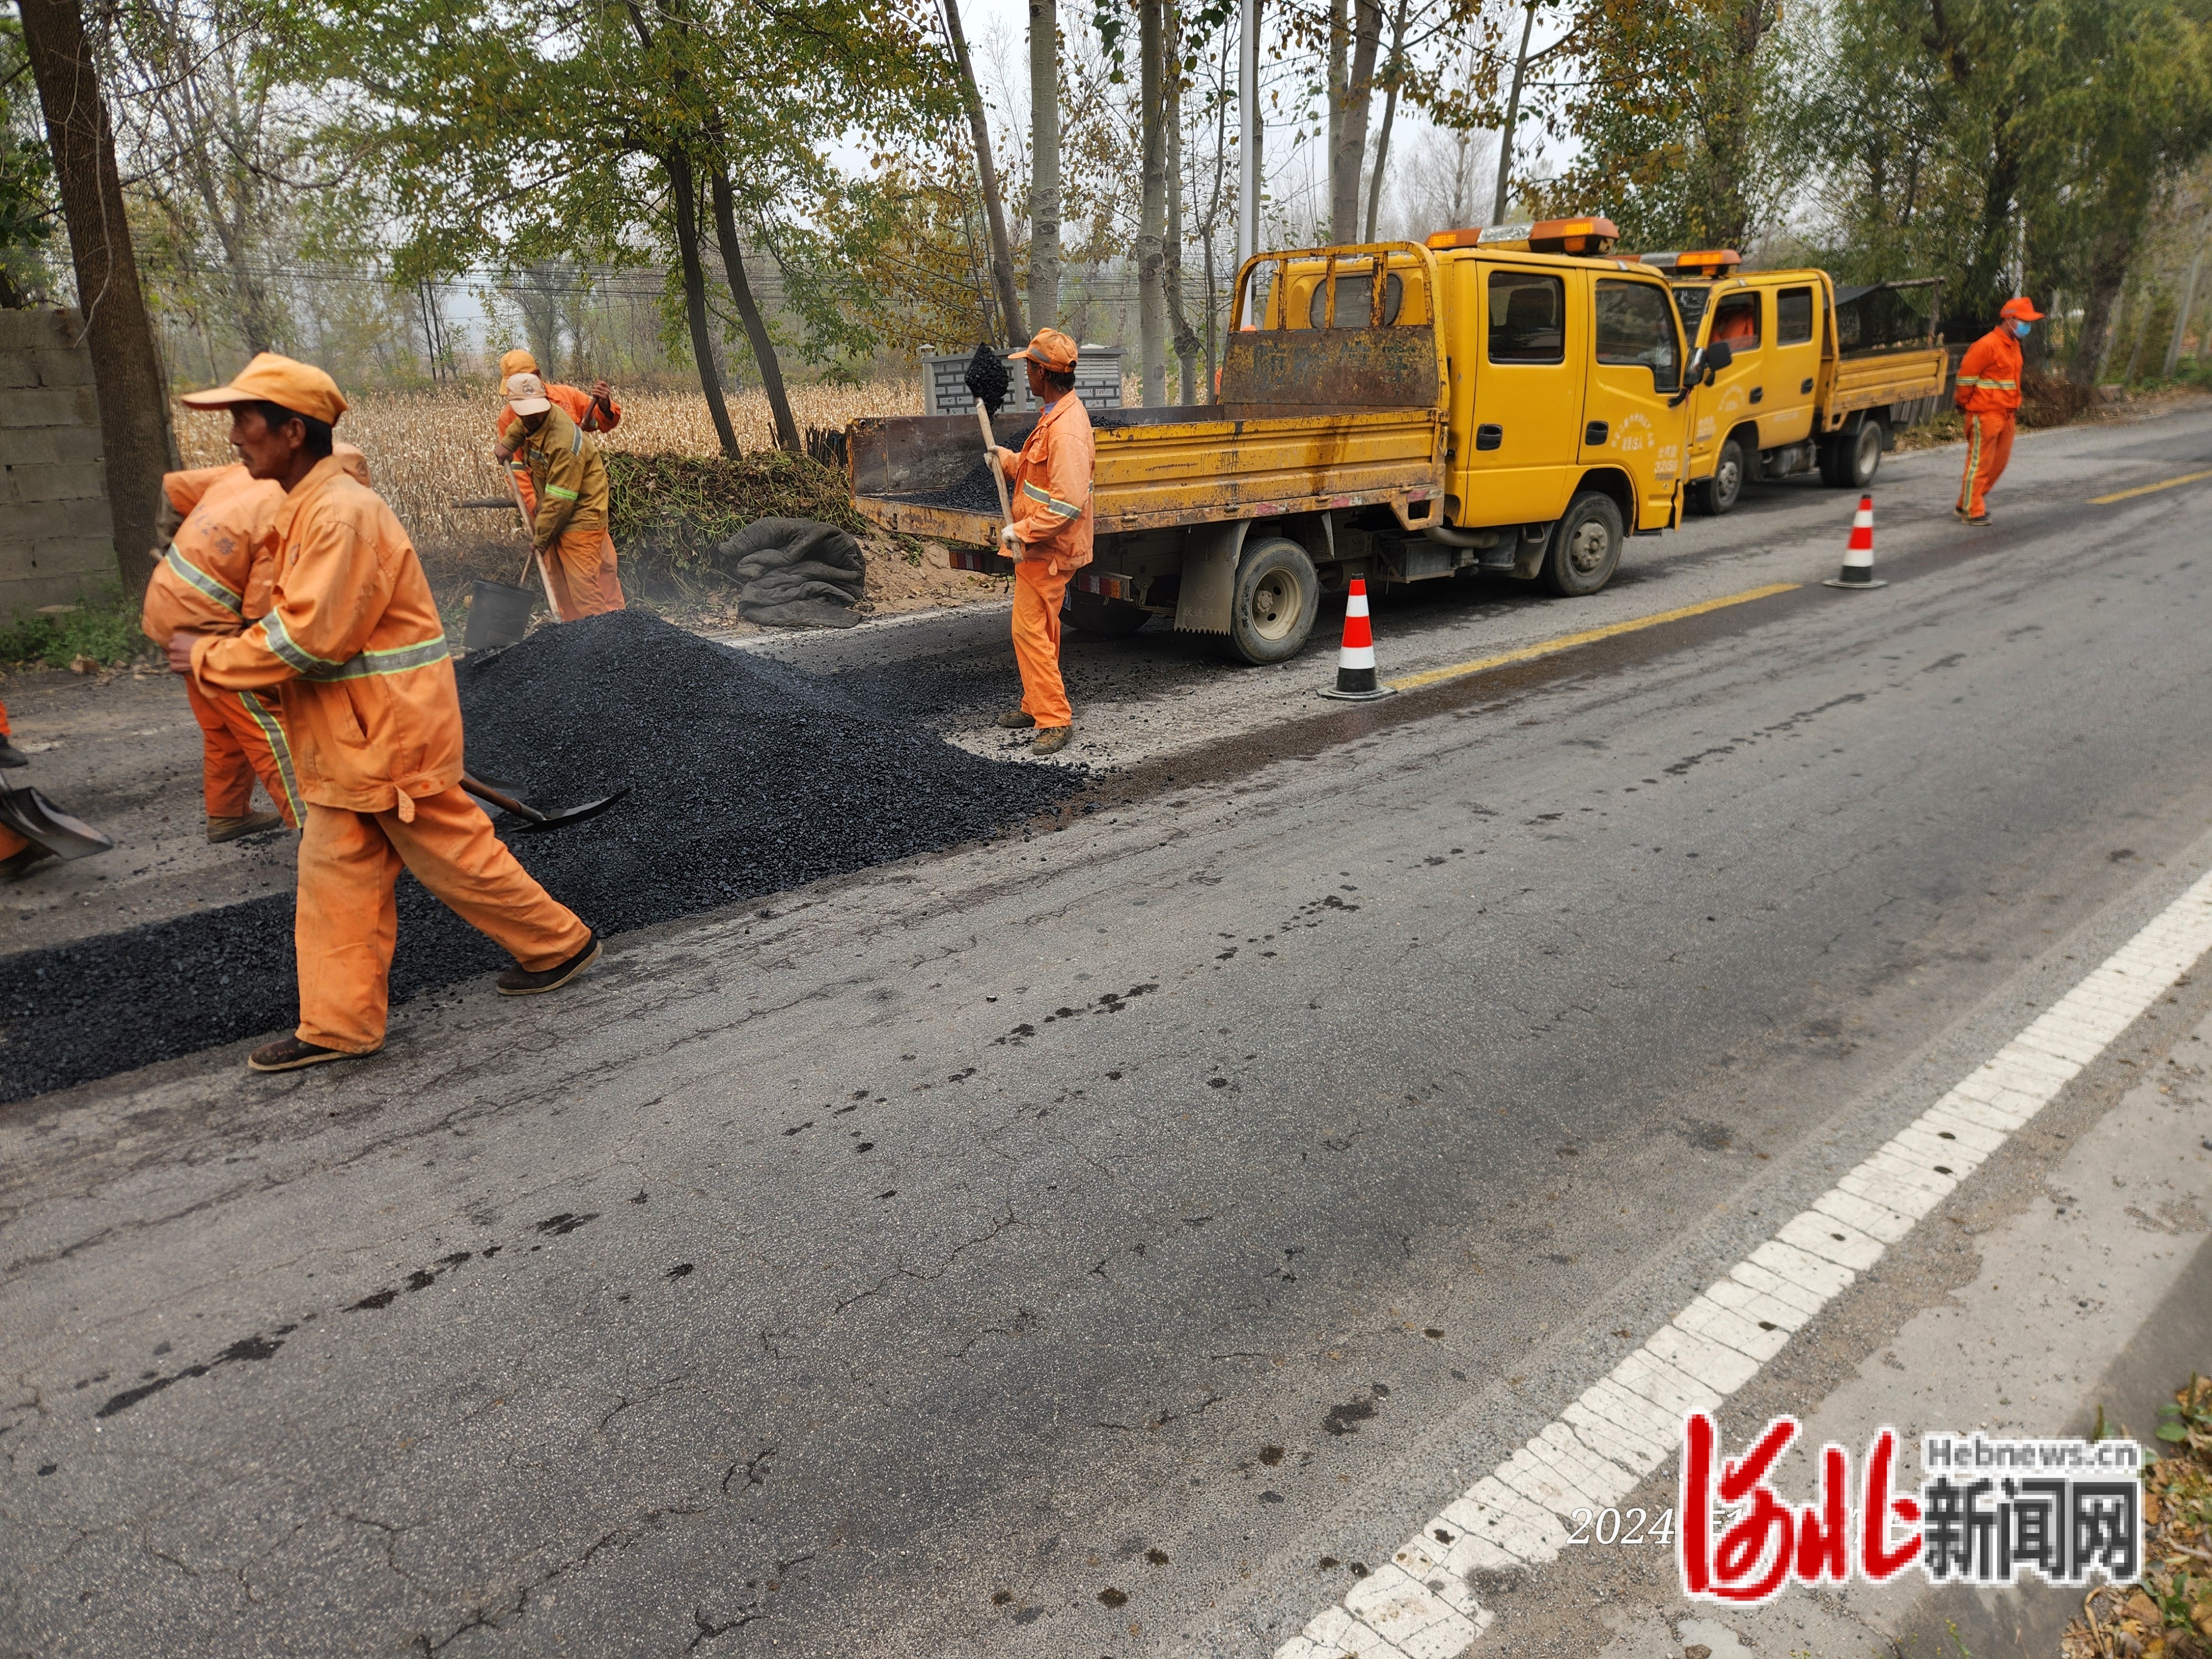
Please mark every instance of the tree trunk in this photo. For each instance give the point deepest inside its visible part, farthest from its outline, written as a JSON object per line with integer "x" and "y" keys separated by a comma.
{"x": 136, "y": 447}
{"x": 1352, "y": 127}
{"x": 683, "y": 189}
{"x": 994, "y": 208}
{"x": 1394, "y": 71}
{"x": 1044, "y": 164}
{"x": 2173, "y": 364}
{"x": 1186, "y": 337}
{"x": 2103, "y": 307}
{"x": 1152, "y": 207}
{"x": 2148, "y": 307}
{"x": 741, "y": 290}
{"x": 1502, "y": 194}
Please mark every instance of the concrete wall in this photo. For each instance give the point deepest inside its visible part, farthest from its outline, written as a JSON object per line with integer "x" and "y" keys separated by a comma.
{"x": 57, "y": 538}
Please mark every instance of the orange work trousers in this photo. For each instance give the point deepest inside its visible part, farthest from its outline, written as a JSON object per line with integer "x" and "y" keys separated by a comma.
{"x": 242, "y": 738}
{"x": 10, "y": 842}
{"x": 1989, "y": 446}
{"x": 1037, "y": 595}
{"x": 346, "y": 920}
{"x": 581, "y": 567}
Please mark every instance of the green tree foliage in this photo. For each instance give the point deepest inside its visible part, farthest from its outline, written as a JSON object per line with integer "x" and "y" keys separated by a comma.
{"x": 28, "y": 210}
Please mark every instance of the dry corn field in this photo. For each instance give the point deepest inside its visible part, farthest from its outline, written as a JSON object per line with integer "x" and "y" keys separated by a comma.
{"x": 429, "y": 449}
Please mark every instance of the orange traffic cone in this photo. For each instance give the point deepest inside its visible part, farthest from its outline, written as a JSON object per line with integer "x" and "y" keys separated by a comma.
{"x": 1355, "y": 659}
{"x": 1858, "y": 556}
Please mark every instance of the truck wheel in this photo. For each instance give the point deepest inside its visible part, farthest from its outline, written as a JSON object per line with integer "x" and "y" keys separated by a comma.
{"x": 1858, "y": 454}
{"x": 1103, "y": 618}
{"x": 1585, "y": 548}
{"x": 1725, "y": 488}
{"x": 1271, "y": 613}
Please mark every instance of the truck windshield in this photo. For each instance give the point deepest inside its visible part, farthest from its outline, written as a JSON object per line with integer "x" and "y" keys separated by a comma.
{"x": 1636, "y": 326}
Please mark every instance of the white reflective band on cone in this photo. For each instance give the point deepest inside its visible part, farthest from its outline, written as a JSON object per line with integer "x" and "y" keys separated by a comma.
{"x": 1356, "y": 656}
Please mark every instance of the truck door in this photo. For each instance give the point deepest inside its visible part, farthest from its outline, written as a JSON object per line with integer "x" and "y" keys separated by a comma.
{"x": 1636, "y": 367}
{"x": 1793, "y": 367}
{"x": 1737, "y": 316}
{"x": 1516, "y": 464}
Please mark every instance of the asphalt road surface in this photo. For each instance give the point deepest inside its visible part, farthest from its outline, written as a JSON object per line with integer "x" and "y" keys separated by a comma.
{"x": 1116, "y": 1240}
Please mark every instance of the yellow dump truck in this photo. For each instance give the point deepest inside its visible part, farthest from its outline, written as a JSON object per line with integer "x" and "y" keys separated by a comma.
{"x": 1820, "y": 377}
{"x": 1399, "y": 411}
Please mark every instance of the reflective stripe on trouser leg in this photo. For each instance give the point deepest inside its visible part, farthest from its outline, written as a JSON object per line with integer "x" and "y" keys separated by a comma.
{"x": 283, "y": 787}
{"x": 1037, "y": 598}
{"x": 1973, "y": 463}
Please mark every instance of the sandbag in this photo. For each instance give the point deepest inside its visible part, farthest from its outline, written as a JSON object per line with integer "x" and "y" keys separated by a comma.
{"x": 795, "y": 573}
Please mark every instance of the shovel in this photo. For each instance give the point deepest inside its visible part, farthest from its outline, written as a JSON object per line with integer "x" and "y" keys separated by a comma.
{"x": 986, "y": 381}
{"x": 38, "y": 820}
{"x": 499, "y": 614}
{"x": 535, "y": 820}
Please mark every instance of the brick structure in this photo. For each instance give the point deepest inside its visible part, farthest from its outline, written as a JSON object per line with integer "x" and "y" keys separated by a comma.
{"x": 57, "y": 536}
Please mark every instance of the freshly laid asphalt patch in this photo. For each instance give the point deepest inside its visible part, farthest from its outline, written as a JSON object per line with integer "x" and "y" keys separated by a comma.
{"x": 746, "y": 777}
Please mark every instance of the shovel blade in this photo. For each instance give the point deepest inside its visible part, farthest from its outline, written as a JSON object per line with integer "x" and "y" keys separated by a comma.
{"x": 573, "y": 815}
{"x": 499, "y": 616}
{"x": 35, "y": 818}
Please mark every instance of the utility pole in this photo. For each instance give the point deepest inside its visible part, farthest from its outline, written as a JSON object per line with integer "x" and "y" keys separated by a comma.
{"x": 1248, "y": 154}
{"x": 1513, "y": 115}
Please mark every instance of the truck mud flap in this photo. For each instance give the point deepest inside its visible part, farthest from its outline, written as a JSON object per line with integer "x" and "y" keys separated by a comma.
{"x": 1209, "y": 577}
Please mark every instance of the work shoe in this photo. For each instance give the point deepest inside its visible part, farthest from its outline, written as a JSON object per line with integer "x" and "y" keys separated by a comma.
{"x": 16, "y": 864}
{"x": 290, "y": 1054}
{"x": 1051, "y": 739}
{"x": 521, "y": 982}
{"x": 1979, "y": 521}
{"x": 1019, "y": 721}
{"x": 11, "y": 756}
{"x": 251, "y": 823}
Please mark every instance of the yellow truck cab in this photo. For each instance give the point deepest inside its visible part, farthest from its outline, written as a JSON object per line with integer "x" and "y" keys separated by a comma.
{"x": 1818, "y": 377}
{"x": 1510, "y": 400}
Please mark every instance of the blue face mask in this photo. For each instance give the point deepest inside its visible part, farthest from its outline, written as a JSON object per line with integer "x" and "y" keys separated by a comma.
{"x": 2021, "y": 328}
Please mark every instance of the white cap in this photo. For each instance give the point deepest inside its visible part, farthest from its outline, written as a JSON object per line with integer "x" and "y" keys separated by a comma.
{"x": 525, "y": 395}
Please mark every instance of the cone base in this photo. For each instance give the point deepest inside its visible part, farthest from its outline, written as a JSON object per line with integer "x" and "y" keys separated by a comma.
{"x": 1377, "y": 694}
{"x": 1837, "y": 582}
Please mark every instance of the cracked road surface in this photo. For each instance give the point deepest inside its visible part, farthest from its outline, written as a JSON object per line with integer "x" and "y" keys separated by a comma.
{"x": 1106, "y": 1241}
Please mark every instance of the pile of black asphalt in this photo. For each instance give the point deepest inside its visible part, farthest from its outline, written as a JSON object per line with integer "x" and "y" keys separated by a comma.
{"x": 746, "y": 778}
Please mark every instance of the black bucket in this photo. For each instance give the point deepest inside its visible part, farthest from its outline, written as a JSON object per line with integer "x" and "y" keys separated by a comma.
{"x": 499, "y": 616}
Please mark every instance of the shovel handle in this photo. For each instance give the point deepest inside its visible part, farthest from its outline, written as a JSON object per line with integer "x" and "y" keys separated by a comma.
{"x": 991, "y": 455}
{"x": 499, "y": 799}
{"x": 530, "y": 535}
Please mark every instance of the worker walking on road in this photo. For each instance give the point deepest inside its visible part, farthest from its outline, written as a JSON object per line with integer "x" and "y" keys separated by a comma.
{"x": 352, "y": 645}
{"x": 1048, "y": 486}
{"x": 214, "y": 578}
{"x": 568, "y": 482}
{"x": 1988, "y": 395}
{"x": 594, "y": 412}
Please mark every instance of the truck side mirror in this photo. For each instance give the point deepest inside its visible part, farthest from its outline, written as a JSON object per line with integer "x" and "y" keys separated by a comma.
{"x": 1719, "y": 353}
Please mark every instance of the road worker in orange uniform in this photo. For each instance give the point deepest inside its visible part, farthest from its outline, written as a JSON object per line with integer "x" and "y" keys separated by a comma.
{"x": 352, "y": 645}
{"x": 1048, "y": 491}
{"x": 569, "y": 480}
{"x": 214, "y": 578}
{"x": 16, "y": 854}
{"x": 1988, "y": 394}
{"x": 596, "y": 588}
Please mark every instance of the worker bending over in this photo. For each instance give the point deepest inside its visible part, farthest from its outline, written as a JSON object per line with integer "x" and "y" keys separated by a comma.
{"x": 597, "y": 412}
{"x": 352, "y": 645}
{"x": 16, "y": 854}
{"x": 1049, "y": 537}
{"x": 1988, "y": 395}
{"x": 214, "y": 578}
{"x": 568, "y": 482}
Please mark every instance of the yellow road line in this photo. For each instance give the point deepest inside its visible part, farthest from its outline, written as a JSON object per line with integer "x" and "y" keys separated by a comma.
{"x": 2146, "y": 490}
{"x": 1587, "y": 636}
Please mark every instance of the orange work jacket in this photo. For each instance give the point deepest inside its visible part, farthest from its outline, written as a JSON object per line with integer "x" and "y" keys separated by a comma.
{"x": 1989, "y": 375}
{"x": 214, "y": 578}
{"x": 1049, "y": 490}
{"x": 354, "y": 648}
{"x": 577, "y": 404}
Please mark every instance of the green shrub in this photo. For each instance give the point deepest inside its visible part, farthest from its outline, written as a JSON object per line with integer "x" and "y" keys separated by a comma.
{"x": 104, "y": 628}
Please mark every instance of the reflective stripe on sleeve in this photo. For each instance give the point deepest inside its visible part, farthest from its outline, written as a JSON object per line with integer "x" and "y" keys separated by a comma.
{"x": 559, "y": 493}
{"x": 281, "y": 645}
{"x": 393, "y": 659}
{"x": 1052, "y": 502}
{"x": 201, "y": 582}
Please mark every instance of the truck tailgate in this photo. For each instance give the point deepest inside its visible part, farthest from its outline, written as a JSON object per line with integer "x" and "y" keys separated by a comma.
{"x": 1871, "y": 379}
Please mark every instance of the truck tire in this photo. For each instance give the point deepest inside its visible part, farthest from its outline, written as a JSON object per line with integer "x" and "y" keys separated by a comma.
{"x": 1103, "y": 618}
{"x": 1721, "y": 492}
{"x": 1271, "y": 613}
{"x": 1585, "y": 548}
{"x": 1858, "y": 453}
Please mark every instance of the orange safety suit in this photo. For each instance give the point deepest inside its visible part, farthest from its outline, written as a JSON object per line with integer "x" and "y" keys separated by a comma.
{"x": 214, "y": 578}
{"x": 353, "y": 645}
{"x": 568, "y": 482}
{"x": 1048, "y": 491}
{"x": 10, "y": 842}
{"x": 596, "y": 585}
{"x": 1988, "y": 394}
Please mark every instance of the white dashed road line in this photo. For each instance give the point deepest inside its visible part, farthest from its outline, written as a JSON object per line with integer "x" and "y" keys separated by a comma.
{"x": 1418, "y": 1606}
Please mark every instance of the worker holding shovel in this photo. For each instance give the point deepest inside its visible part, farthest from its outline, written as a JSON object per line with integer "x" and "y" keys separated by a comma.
{"x": 568, "y": 482}
{"x": 214, "y": 578}
{"x": 1048, "y": 533}
{"x": 595, "y": 411}
{"x": 353, "y": 646}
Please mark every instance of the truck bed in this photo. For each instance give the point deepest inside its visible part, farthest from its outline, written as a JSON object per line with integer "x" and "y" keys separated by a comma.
{"x": 1887, "y": 376}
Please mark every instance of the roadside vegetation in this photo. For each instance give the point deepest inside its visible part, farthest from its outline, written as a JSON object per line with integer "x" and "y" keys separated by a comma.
{"x": 99, "y": 633}
{"x": 2169, "y": 1615}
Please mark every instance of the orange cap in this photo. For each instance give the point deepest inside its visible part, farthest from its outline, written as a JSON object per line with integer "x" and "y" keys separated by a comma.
{"x": 517, "y": 362}
{"x": 300, "y": 388}
{"x": 1051, "y": 349}
{"x": 2021, "y": 310}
